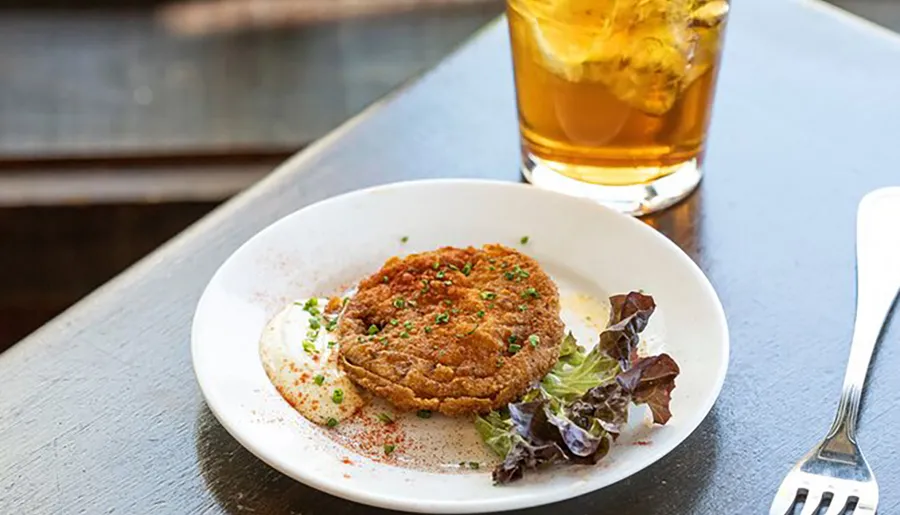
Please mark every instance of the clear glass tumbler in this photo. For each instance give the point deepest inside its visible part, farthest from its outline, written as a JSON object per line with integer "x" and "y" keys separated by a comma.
{"x": 614, "y": 96}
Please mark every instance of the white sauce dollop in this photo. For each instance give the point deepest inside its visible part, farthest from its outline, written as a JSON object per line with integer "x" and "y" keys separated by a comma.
{"x": 308, "y": 378}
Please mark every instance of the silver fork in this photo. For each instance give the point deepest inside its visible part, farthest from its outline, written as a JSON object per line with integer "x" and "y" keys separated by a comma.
{"x": 835, "y": 468}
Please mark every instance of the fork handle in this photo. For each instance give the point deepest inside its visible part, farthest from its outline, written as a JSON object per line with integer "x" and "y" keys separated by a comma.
{"x": 877, "y": 284}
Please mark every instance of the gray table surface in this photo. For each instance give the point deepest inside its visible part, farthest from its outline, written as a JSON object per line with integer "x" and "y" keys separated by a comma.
{"x": 100, "y": 412}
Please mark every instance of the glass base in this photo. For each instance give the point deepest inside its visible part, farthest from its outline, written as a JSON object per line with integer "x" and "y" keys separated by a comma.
{"x": 636, "y": 199}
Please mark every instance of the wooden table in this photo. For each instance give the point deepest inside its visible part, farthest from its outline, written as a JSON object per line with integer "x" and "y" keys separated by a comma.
{"x": 100, "y": 412}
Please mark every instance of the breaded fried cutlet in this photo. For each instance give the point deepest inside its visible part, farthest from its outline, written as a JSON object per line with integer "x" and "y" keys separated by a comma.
{"x": 452, "y": 330}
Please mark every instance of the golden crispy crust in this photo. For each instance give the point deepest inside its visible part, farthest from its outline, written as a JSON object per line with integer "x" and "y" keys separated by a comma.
{"x": 434, "y": 330}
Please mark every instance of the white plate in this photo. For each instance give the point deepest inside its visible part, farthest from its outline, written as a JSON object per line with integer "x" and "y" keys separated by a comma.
{"x": 325, "y": 248}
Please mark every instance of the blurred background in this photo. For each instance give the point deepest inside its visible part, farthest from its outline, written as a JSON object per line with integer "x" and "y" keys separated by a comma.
{"x": 124, "y": 121}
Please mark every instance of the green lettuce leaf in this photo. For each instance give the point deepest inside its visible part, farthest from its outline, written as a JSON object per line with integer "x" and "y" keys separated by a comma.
{"x": 580, "y": 407}
{"x": 570, "y": 353}
{"x": 568, "y": 382}
{"x": 497, "y": 431}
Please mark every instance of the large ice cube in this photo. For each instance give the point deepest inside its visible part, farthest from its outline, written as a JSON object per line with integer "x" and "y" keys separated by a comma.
{"x": 642, "y": 50}
{"x": 644, "y": 69}
{"x": 707, "y": 21}
{"x": 709, "y": 13}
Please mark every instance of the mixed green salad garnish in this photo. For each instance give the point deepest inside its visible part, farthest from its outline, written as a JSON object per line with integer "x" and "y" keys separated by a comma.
{"x": 579, "y": 409}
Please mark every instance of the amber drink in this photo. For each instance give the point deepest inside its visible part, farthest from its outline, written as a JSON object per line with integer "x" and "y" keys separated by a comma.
{"x": 614, "y": 96}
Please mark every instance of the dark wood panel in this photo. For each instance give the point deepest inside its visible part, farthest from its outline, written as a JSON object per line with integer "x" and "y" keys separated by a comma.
{"x": 54, "y": 255}
{"x": 211, "y": 176}
{"x": 101, "y": 81}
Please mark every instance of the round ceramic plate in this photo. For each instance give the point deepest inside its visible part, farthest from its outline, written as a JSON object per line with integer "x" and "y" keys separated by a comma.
{"x": 326, "y": 248}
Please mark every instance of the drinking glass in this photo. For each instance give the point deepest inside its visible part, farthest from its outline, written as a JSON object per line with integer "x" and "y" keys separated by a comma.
{"x": 614, "y": 96}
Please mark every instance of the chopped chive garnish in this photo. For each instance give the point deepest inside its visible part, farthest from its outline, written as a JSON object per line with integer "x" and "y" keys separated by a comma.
{"x": 523, "y": 307}
{"x": 492, "y": 260}
{"x": 344, "y": 301}
{"x": 516, "y": 273}
{"x": 385, "y": 417}
{"x": 442, "y": 318}
{"x": 373, "y": 329}
{"x": 404, "y": 239}
{"x": 427, "y": 329}
{"x": 514, "y": 348}
{"x": 337, "y": 396}
{"x": 314, "y": 323}
{"x": 453, "y": 267}
{"x": 411, "y": 302}
{"x": 492, "y": 268}
{"x": 408, "y": 324}
{"x": 404, "y": 334}
{"x": 309, "y": 347}
{"x": 454, "y": 310}
{"x": 311, "y": 303}
{"x": 394, "y": 321}
{"x": 480, "y": 314}
{"x": 490, "y": 305}
{"x": 499, "y": 362}
{"x": 488, "y": 295}
{"x": 312, "y": 334}
{"x": 400, "y": 303}
{"x": 530, "y": 292}
{"x": 534, "y": 340}
{"x": 319, "y": 379}
{"x": 469, "y": 333}
{"x": 467, "y": 269}
{"x": 512, "y": 338}
{"x": 440, "y": 275}
{"x": 423, "y": 413}
{"x": 448, "y": 283}
{"x": 331, "y": 324}
{"x": 331, "y": 344}
{"x": 331, "y": 422}
{"x": 389, "y": 448}
{"x": 385, "y": 279}
{"x": 448, "y": 302}
{"x": 436, "y": 265}
{"x": 524, "y": 240}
